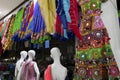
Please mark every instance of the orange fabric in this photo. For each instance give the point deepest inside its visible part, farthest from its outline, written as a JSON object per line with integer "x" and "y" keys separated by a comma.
{"x": 47, "y": 73}
{"x": 1, "y": 26}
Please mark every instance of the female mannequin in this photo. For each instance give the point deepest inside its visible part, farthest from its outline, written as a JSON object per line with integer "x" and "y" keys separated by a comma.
{"x": 110, "y": 19}
{"x": 20, "y": 62}
{"x": 58, "y": 71}
{"x": 29, "y": 68}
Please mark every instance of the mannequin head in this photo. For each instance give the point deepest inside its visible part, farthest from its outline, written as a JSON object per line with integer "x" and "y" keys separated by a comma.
{"x": 23, "y": 54}
{"x": 55, "y": 52}
{"x": 31, "y": 54}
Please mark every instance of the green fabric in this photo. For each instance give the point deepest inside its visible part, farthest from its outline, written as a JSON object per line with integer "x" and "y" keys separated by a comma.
{"x": 94, "y": 53}
{"x": 82, "y": 55}
{"x": 18, "y": 20}
{"x": 119, "y": 13}
{"x": 88, "y": 6}
{"x": 108, "y": 50}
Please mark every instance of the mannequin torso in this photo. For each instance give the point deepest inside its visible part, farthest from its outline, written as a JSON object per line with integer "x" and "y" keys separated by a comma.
{"x": 59, "y": 72}
{"x": 20, "y": 62}
{"x": 29, "y": 68}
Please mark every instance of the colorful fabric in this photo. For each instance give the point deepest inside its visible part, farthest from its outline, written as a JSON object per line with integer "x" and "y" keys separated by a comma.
{"x": 66, "y": 6}
{"x": 48, "y": 10}
{"x": 74, "y": 18}
{"x": 8, "y": 42}
{"x": 5, "y": 31}
{"x": 94, "y": 57}
{"x": 18, "y": 21}
{"x": 24, "y": 33}
{"x": 47, "y": 73}
{"x": 1, "y": 23}
{"x": 38, "y": 26}
{"x": 1, "y": 28}
{"x": 61, "y": 13}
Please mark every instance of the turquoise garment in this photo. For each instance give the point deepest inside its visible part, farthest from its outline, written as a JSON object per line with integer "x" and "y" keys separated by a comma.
{"x": 66, "y": 6}
{"x": 61, "y": 13}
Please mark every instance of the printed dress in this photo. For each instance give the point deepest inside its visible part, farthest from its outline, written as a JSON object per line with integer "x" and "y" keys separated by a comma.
{"x": 94, "y": 59}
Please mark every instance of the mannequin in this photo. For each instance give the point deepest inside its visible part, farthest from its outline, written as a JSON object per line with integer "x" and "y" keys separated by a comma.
{"x": 20, "y": 62}
{"x": 29, "y": 67}
{"x": 59, "y": 72}
{"x": 110, "y": 19}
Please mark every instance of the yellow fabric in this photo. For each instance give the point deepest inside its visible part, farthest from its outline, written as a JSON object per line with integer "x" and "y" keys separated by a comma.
{"x": 48, "y": 10}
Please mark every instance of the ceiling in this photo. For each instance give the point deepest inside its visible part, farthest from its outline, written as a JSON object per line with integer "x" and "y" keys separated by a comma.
{"x": 7, "y": 5}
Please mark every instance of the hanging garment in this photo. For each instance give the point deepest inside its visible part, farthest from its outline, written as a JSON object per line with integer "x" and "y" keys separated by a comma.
{"x": 27, "y": 71}
{"x": 17, "y": 25}
{"x": 94, "y": 59}
{"x": 47, "y": 73}
{"x": 61, "y": 13}
{"x": 4, "y": 31}
{"x": 1, "y": 23}
{"x": 48, "y": 10}
{"x": 66, "y": 6}
{"x": 28, "y": 14}
{"x": 9, "y": 42}
{"x": 74, "y": 19}
{"x": 37, "y": 26}
{"x": 18, "y": 20}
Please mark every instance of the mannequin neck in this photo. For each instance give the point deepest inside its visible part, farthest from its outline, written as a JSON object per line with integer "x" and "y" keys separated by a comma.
{"x": 30, "y": 59}
{"x": 56, "y": 61}
{"x": 21, "y": 59}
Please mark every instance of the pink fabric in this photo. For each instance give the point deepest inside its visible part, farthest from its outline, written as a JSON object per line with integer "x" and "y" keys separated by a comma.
{"x": 74, "y": 18}
{"x": 47, "y": 74}
{"x": 98, "y": 23}
{"x": 114, "y": 71}
{"x": 28, "y": 72}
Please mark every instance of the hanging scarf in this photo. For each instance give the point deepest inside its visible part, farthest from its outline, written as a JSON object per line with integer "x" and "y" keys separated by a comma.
{"x": 66, "y": 6}
{"x": 5, "y": 26}
{"x": 48, "y": 10}
{"x": 61, "y": 13}
{"x": 37, "y": 25}
{"x": 17, "y": 24}
{"x": 9, "y": 34}
{"x": 26, "y": 35}
{"x": 74, "y": 17}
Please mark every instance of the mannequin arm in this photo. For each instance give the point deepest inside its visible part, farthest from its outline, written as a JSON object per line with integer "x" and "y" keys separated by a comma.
{"x": 66, "y": 71}
{"x": 37, "y": 71}
{"x": 16, "y": 71}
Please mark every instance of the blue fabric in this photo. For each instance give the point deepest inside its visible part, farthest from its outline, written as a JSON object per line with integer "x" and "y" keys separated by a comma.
{"x": 60, "y": 11}
{"x": 65, "y": 33}
{"x": 64, "y": 21}
{"x": 38, "y": 21}
{"x": 47, "y": 44}
{"x": 66, "y": 4}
